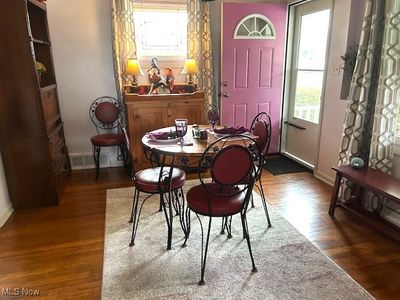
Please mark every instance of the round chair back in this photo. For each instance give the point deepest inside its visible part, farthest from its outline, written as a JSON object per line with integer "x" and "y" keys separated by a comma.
{"x": 261, "y": 127}
{"x": 232, "y": 165}
{"x": 233, "y": 162}
{"x": 106, "y": 113}
{"x": 261, "y": 131}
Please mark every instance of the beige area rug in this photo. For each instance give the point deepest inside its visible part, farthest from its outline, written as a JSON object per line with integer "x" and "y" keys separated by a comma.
{"x": 289, "y": 265}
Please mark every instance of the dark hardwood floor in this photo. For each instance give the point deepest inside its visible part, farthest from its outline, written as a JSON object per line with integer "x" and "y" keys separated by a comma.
{"x": 59, "y": 250}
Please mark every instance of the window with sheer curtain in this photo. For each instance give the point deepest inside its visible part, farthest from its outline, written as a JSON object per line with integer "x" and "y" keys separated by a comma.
{"x": 161, "y": 29}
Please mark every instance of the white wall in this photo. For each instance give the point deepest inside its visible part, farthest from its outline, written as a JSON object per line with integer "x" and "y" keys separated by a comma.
{"x": 80, "y": 32}
{"x": 5, "y": 204}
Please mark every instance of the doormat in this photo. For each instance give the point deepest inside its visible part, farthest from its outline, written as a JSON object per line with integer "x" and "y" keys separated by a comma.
{"x": 278, "y": 165}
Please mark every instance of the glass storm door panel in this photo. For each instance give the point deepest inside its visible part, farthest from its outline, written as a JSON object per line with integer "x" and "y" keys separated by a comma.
{"x": 311, "y": 65}
{"x": 308, "y": 40}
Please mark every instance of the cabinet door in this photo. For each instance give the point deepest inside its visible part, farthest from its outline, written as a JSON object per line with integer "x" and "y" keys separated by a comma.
{"x": 193, "y": 111}
{"x": 144, "y": 120}
{"x": 50, "y": 108}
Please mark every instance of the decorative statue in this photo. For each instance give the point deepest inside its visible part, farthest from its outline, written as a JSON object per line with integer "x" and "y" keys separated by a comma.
{"x": 170, "y": 79}
{"x": 160, "y": 85}
{"x": 154, "y": 75}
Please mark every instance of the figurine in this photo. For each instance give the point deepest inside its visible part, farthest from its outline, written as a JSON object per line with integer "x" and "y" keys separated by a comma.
{"x": 170, "y": 79}
{"x": 154, "y": 75}
{"x": 158, "y": 82}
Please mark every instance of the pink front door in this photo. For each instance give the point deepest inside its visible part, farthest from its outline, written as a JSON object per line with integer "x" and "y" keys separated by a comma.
{"x": 252, "y": 64}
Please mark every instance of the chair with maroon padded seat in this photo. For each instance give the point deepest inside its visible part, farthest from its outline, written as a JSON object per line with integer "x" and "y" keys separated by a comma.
{"x": 105, "y": 113}
{"x": 261, "y": 127}
{"x": 231, "y": 187}
{"x": 154, "y": 181}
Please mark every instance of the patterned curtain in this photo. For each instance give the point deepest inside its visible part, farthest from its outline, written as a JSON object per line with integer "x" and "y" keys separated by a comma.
{"x": 199, "y": 46}
{"x": 370, "y": 123}
{"x": 123, "y": 40}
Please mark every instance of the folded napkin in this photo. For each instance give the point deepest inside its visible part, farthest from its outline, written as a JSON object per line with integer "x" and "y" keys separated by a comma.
{"x": 159, "y": 135}
{"x": 231, "y": 130}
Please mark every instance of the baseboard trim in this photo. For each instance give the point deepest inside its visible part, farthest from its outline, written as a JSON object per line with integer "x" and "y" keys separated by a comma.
{"x": 325, "y": 178}
{"x": 6, "y": 214}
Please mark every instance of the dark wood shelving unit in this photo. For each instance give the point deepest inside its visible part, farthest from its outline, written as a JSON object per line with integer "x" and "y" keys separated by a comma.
{"x": 32, "y": 140}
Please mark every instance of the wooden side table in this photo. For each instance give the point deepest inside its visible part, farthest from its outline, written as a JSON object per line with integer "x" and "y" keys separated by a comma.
{"x": 373, "y": 180}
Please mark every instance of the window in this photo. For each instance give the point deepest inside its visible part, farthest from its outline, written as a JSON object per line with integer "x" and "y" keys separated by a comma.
{"x": 310, "y": 65}
{"x": 255, "y": 27}
{"x": 161, "y": 30}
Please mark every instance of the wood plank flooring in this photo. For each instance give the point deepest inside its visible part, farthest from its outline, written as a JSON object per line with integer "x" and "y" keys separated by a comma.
{"x": 59, "y": 250}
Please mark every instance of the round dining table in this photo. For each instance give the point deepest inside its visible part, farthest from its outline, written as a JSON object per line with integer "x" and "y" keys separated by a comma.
{"x": 169, "y": 154}
{"x": 191, "y": 147}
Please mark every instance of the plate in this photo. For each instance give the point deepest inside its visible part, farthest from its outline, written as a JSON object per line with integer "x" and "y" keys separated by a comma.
{"x": 169, "y": 141}
{"x": 163, "y": 141}
{"x": 221, "y": 135}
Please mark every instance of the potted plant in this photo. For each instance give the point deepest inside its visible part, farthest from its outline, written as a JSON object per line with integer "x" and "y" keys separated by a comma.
{"x": 41, "y": 69}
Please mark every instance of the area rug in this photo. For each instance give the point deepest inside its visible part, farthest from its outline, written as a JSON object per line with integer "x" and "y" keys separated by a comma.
{"x": 278, "y": 165}
{"x": 289, "y": 266}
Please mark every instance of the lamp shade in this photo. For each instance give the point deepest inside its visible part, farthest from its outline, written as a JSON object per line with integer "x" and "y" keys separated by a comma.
{"x": 190, "y": 67}
{"x": 133, "y": 67}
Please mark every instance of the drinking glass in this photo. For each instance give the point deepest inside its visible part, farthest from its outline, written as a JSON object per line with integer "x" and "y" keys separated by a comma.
{"x": 213, "y": 117}
{"x": 181, "y": 126}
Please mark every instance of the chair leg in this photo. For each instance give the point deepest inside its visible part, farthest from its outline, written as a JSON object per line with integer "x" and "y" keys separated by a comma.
{"x": 134, "y": 216}
{"x": 182, "y": 212}
{"x": 96, "y": 155}
{"x": 161, "y": 204}
{"x": 133, "y": 205}
{"x": 227, "y": 224}
{"x": 168, "y": 218}
{"x": 175, "y": 202}
{"x": 259, "y": 186}
{"x": 186, "y": 221}
{"x": 246, "y": 231}
{"x": 204, "y": 257}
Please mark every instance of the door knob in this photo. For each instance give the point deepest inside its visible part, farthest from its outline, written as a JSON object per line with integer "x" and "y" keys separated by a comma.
{"x": 225, "y": 83}
{"x": 226, "y": 94}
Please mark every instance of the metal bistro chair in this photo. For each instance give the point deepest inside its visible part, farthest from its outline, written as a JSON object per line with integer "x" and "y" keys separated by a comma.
{"x": 105, "y": 113}
{"x": 156, "y": 181}
{"x": 261, "y": 127}
{"x": 231, "y": 188}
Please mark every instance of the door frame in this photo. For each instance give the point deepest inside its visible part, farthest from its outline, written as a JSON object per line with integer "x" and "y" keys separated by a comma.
{"x": 287, "y": 81}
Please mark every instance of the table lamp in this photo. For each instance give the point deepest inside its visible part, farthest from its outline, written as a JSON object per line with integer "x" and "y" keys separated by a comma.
{"x": 133, "y": 68}
{"x": 190, "y": 68}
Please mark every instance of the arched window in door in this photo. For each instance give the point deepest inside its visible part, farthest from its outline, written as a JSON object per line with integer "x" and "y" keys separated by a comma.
{"x": 254, "y": 26}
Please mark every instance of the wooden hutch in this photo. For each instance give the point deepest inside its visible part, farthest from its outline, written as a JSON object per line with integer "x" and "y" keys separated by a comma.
{"x": 150, "y": 112}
